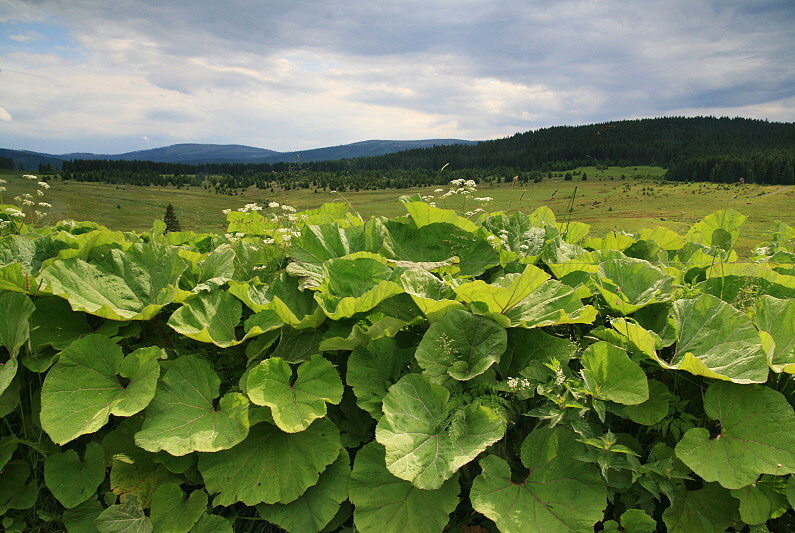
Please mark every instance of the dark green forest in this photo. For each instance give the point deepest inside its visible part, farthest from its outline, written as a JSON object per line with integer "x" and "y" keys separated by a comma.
{"x": 692, "y": 149}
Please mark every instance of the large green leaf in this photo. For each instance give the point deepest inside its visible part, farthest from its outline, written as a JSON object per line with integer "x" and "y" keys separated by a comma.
{"x": 14, "y": 322}
{"x": 373, "y": 368}
{"x": 355, "y": 285}
{"x": 506, "y": 293}
{"x": 131, "y": 285}
{"x": 386, "y": 504}
{"x": 529, "y": 349}
{"x": 53, "y": 323}
{"x": 71, "y": 480}
{"x": 294, "y": 306}
{"x": 83, "y": 388}
{"x": 213, "y": 318}
{"x": 560, "y": 493}
{"x": 14, "y": 332}
{"x": 707, "y": 510}
{"x": 424, "y": 214}
{"x": 270, "y": 466}
{"x": 80, "y": 519}
{"x": 421, "y": 446}
{"x": 652, "y": 410}
{"x": 125, "y": 517}
{"x": 17, "y": 489}
{"x": 611, "y": 375}
{"x": 182, "y": 416}
{"x": 433, "y": 296}
{"x": 552, "y": 303}
{"x": 628, "y": 284}
{"x": 757, "y": 425}
{"x": 720, "y": 229}
{"x": 517, "y": 233}
{"x": 439, "y": 241}
{"x": 212, "y": 523}
{"x": 294, "y": 403}
{"x": 21, "y": 257}
{"x": 762, "y": 500}
{"x": 775, "y": 319}
{"x": 460, "y": 345}
{"x": 172, "y": 512}
{"x": 317, "y": 506}
{"x": 716, "y": 340}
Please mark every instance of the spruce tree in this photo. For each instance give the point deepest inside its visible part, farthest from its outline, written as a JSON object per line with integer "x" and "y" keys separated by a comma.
{"x": 170, "y": 218}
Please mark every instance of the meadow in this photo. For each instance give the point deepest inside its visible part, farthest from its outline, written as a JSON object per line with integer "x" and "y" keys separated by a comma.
{"x": 614, "y": 198}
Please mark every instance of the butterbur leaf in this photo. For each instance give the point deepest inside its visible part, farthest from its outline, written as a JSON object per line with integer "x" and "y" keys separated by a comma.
{"x": 182, "y": 418}
{"x": 131, "y": 285}
{"x": 80, "y": 519}
{"x": 372, "y": 369}
{"x": 71, "y": 480}
{"x": 560, "y": 493}
{"x": 138, "y": 476}
{"x": 707, "y": 510}
{"x": 717, "y": 341}
{"x": 436, "y": 242}
{"x": 517, "y": 232}
{"x": 529, "y": 349}
{"x": 611, "y": 375}
{"x": 506, "y": 293}
{"x": 14, "y": 332}
{"x": 213, "y": 317}
{"x": 171, "y": 512}
{"x": 637, "y": 521}
{"x": 461, "y": 345}
{"x": 270, "y": 466}
{"x": 552, "y": 303}
{"x": 126, "y": 517}
{"x": 212, "y": 523}
{"x": 629, "y": 284}
{"x": 652, "y": 410}
{"x": 421, "y": 446}
{"x": 14, "y": 322}
{"x": 295, "y": 403}
{"x": 317, "y": 506}
{"x": 424, "y": 214}
{"x": 83, "y": 388}
{"x": 355, "y": 285}
{"x": 757, "y": 424}
{"x": 55, "y": 324}
{"x": 386, "y": 504}
{"x": 761, "y": 501}
{"x": 17, "y": 490}
{"x": 431, "y": 295}
{"x": 775, "y": 319}
{"x": 720, "y": 229}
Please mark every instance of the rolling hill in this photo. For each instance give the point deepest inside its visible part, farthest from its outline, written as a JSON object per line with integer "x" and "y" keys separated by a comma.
{"x": 198, "y": 154}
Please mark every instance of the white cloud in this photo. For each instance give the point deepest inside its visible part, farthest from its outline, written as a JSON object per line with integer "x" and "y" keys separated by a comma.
{"x": 26, "y": 37}
{"x": 5, "y": 116}
{"x": 289, "y": 75}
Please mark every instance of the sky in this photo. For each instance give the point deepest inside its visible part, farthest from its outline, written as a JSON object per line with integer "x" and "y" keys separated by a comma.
{"x": 111, "y": 76}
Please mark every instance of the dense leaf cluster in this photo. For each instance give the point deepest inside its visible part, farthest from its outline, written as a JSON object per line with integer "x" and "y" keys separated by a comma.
{"x": 421, "y": 373}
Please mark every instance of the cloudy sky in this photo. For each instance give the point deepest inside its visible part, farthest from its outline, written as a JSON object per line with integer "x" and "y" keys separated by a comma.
{"x": 118, "y": 75}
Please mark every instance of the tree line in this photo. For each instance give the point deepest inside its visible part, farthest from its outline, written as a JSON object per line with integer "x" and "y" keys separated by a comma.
{"x": 700, "y": 148}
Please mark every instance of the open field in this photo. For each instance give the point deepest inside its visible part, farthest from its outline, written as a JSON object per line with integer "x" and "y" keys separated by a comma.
{"x": 605, "y": 200}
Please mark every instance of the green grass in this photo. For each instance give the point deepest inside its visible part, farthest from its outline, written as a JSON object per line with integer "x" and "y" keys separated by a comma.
{"x": 605, "y": 201}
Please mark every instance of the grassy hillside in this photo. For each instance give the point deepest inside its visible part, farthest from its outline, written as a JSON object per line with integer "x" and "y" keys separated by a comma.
{"x": 606, "y": 201}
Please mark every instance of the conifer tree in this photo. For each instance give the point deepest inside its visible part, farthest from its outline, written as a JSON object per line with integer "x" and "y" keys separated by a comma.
{"x": 170, "y": 218}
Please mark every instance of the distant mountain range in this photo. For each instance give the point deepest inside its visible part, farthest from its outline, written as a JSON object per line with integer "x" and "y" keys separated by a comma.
{"x": 232, "y": 153}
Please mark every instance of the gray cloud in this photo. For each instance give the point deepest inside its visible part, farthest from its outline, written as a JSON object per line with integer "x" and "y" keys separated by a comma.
{"x": 287, "y": 75}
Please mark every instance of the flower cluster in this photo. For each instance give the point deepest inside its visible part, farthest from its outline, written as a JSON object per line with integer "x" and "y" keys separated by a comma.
{"x": 26, "y": 205}
{"x": 517, "y": 384}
